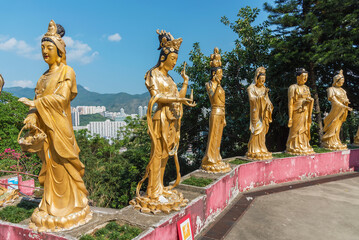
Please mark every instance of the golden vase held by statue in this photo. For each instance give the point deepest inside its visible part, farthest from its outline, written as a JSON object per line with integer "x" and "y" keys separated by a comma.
{"x": 64, "y": 204}
{"x": 337, "y": 115}
{"x": 300, "y": 106}
{"x": 261, "y": 109}
{"x": 212, "y": 160}
{"x": 164, "y": 129}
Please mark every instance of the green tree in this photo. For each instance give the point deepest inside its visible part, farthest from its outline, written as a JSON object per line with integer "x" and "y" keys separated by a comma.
{"x": 111, "y": 176}
{"x": 12, "y": 115}
{"x": 251, "y": 51}
{"x": 321, "y": 36}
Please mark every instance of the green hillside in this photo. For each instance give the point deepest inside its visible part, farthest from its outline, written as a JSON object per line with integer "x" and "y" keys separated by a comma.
{"x": 85, "y": 119}
{"x": 113, "y": 102}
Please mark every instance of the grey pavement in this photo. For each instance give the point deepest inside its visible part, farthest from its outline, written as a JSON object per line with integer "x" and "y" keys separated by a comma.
{"x": 326, "y": 211}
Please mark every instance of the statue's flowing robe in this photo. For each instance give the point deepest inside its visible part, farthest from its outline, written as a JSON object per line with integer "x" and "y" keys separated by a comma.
{"x": 260, "y": 116}
{"x": 299, "y": 133}
{"x": 217, "y": 122}
{"x": 165, "y": 126}
{"x": 337, "y": 115}
{"x": 61, "y": 173}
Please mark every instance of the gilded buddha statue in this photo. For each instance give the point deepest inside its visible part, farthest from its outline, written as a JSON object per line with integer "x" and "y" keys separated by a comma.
{"x": 300, "y": 106}
{"x": 164, "y": 129}
{"x": 260, "y": 116}
{"x": 64, "y": 204}
{"x": 337, "y": 115}
{"x": 212, "y": 160}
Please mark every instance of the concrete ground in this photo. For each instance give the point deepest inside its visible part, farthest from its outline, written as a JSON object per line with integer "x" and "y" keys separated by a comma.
{"x": 324, "y": 211}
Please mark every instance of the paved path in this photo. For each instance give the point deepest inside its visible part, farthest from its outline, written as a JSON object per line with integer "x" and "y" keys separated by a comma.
{"x": 322, "y": 211}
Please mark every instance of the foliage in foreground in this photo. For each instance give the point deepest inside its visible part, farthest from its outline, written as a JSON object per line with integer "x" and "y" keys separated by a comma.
{"x": 239, "y": 161}
{"x": 198, "y": 182}
{"x": 111, "y": 177}
{"x": 18, "y": 213}
{"x": 114, "y": 231}
{"x": 12, "y": 115}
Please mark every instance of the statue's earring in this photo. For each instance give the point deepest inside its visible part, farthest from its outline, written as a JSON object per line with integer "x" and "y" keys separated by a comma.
{"x": 162, "y": 58}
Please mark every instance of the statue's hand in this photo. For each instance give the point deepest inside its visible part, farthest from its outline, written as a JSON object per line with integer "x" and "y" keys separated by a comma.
{"x": 27, "y": 102}
{"x": 350, "y": 109}
{"x": 30, "y": 120}
{"x": 183, "y": 73}
{"x": 290, "y": 122}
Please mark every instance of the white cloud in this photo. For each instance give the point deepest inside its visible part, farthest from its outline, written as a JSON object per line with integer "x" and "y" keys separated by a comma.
{"x": 114, "y": 37}
{"x": 21, "y": 83}
{"x": 79, "y": 51}
{"x": 20, "y": 47}
{"x": 76, "y": 50}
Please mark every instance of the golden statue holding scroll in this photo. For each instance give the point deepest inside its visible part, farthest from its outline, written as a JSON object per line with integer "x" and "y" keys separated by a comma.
{"x": 337, "y": 115}
{"x": 300, "y": 106}
{"x": 356, "y": 138}
{"x": 64, "y": 204}
{"x": 164, "y": 129}
{"x": 261, "y": 115}
{"x": 212, "y": 160}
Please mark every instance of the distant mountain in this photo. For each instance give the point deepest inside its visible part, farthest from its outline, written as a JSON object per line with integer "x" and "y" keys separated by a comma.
{"x": 21, "y": 92}
{"x": 112, "y": 101}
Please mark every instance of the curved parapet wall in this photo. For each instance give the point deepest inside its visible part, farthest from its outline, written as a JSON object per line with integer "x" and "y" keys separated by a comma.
{"x": 208, "y": 202}
{"x": 243, "y": 177}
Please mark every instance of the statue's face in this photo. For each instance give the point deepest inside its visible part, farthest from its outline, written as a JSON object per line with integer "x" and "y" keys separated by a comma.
{"x": 49, "y": 52}
{"x": 260, "y": 81}
{"x": 302, "y": 78}
{"x": 219, "y": 74}
{"x": 170, "y": 62}
{"x": 340, "y": 82}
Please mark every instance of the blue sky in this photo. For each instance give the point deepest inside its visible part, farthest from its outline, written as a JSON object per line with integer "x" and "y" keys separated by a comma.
{"x": 110, "y": 44}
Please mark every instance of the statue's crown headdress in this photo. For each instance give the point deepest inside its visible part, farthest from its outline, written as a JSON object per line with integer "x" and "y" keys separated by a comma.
{"x": 167, "y": 41}
{"x": 52, "y": 30}
{"x": 216, "y": 59}
{"x": 55, "y": 32}
{"x": 260, "y": 71}
{"x": 337, "y": 77}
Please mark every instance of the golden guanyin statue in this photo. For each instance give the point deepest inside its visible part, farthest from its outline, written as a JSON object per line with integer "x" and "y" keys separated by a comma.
{"x": 212, "y": 160}
{"x": 261, "y": 109}
{"x": 356, "y": 138}
{"x": 337, "y": 115}
{"x": 64, "y": 204}
{"x": 164, "y": 129}
{"x": 300, "y": 106}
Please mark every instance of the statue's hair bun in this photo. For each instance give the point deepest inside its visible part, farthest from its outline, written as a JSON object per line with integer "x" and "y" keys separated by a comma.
{"x": 60, "y": 30}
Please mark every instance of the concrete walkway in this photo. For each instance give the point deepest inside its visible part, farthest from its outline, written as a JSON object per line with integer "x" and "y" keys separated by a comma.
{"x": 324, "y": 211}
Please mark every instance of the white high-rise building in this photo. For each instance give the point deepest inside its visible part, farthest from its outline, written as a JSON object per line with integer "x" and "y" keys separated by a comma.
{"x": 75, "y": 116}
{"x": 140, "y": 111}
{"x": 106, "y": 129}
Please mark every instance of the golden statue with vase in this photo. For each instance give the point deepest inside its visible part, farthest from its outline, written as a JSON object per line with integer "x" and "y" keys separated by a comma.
{"x": 164, "y": 129}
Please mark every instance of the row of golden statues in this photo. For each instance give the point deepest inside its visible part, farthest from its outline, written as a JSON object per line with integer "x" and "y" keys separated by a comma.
{"x": 65, "y": 205}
